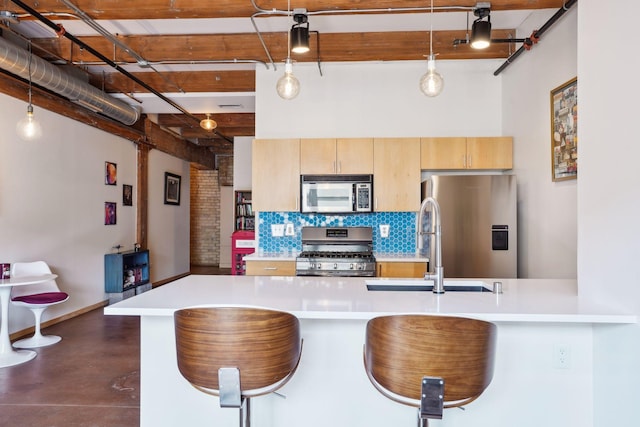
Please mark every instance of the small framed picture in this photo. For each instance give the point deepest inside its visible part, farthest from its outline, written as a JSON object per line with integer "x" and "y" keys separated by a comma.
{"x": 110, "y": 173}
{"x": 171, "y": 188}
{"x": 109, "y": 213}
{"x": 127, "y": 195}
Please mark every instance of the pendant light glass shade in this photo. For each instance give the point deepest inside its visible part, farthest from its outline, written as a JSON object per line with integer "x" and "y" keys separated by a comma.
{"x": 208, "y": 123}
{"x": 28, "y": 129}
{"x": 288, "y": 86}
{"x": 431, "y": 83}
{"x": 481, "y": 34}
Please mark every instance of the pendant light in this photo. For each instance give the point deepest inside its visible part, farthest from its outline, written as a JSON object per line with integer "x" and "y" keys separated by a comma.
{"x": 28, "y": 128}
{"x": 431, "y": 83}
{"x": 208, "y": 123}
{"x": 288, "y": 86}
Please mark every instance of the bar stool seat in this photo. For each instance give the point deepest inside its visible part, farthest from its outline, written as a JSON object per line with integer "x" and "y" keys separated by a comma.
{"x": 237, "y": 353}
{"x": 430, "y": 362}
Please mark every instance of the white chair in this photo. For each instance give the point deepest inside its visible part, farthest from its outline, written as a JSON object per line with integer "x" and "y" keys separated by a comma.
{"x": 37, "y": 298}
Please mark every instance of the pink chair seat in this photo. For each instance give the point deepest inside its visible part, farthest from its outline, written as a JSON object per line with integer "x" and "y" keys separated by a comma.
{"x": 42, "y": 298}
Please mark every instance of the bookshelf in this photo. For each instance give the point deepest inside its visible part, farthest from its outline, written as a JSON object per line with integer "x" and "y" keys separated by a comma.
{"x": 244, "y": 219}
{"x": 126, "y": 271}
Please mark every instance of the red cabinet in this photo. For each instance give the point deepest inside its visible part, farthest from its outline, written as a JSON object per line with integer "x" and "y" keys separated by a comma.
{"x": 242, "y": 244}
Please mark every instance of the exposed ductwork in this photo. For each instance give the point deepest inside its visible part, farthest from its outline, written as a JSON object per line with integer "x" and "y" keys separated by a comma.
{"x": 15, "y": 60}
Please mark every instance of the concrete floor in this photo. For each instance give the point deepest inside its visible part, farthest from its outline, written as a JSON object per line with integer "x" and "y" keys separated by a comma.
{"x": 89, "y": 379}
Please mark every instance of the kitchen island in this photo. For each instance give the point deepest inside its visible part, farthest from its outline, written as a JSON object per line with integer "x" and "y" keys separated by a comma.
{"x": 544, "y": 363}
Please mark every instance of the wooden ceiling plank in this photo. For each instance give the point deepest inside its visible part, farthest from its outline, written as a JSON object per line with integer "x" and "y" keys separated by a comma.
{"x": 380, "y": 46}
{"x": 175, "y": 9}
{"x": 191, "y": 81}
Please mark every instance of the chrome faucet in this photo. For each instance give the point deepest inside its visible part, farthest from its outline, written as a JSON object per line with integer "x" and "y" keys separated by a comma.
{"x": 437, "y": 273}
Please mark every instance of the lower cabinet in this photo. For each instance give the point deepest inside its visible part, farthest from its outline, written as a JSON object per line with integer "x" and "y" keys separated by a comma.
{"x": 270, "y": 268}
{"x": 401, "y": 269}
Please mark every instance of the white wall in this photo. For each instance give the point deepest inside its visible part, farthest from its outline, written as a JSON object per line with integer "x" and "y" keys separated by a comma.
{"x": 547, "y": 226}
{"x": 608, "y": 198}
{"x": 242, "y": 162}
{"x": 168, "y": 224}
{"x": 380, "y": 99}
{"x": 52, "y": 195}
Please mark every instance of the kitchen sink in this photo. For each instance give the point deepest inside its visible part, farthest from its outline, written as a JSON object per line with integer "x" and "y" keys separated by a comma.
{"x": 426, "y": 285}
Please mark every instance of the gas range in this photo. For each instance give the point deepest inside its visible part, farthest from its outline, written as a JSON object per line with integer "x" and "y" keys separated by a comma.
{"x": 336, "y": 251}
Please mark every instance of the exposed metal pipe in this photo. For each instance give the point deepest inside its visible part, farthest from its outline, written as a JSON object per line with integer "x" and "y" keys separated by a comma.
{"x": 15, "y": 60}
{"x": 99, "y": 55}
{"x": 567, "y": 5}
{"x": 276, "y": 12}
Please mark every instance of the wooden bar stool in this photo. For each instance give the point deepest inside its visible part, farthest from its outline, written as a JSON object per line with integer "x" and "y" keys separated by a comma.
{"x": 237, "y": 353}
{"x": 429, "y": 362}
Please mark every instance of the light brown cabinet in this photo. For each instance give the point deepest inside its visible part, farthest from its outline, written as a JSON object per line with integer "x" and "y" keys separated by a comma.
{"x": 275, "y": 175}
{"x": 396, "y": 169}
{"x": 270, "y": 268}
{"x": 466, "y": 153}
{"x": 327, "y": 156}
{"x": 401, "y": 269}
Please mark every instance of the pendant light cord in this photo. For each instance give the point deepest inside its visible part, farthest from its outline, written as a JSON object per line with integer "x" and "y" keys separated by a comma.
{"x": 30, "y": 56}
{"x": 431, "y": 32}
{"x": 289, "y": 31}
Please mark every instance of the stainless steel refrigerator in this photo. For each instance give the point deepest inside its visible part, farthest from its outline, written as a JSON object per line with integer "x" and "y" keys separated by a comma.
{"x": 479, "y": 224}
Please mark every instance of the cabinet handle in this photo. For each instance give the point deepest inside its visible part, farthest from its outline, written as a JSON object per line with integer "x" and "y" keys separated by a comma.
{"x": 379, "y": 270}
{"x": 296, "y": 203}
{"x": 469, "y": 160}
{"x": 339, "y": 163}
{"x": 270, "y": 268}
{"x": 335, "y": 167}
{"x": 376, "y": 204}
{"x": 464, "y": 160}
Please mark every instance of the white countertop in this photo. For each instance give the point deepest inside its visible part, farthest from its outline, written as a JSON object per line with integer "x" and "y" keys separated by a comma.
{"x": 523, "y": 300}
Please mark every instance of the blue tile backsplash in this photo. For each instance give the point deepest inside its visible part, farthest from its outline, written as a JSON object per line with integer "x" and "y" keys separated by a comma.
{"x": 402, "y": 234}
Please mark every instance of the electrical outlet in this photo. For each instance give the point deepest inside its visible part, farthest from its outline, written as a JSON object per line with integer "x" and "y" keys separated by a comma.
{"x": 277, "y": 230}
{"x": 561, "y": 356}
{"x": 289, "y": 229}
{"x": 384, "y": 230}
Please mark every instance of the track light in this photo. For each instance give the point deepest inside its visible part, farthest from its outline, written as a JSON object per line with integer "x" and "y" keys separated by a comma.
{"x": 208, "y": 123}
{"x": 481, "y": 30}
{"x": 300, "y": 34}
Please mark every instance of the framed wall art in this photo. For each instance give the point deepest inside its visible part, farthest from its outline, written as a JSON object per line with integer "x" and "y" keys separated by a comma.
{"x": 171, "y": 188}
{"x": 109, "y": 213}
{"x": 110, "y": 173}
{"x": 564, "y": 131}
{"x": 127, "y": 195}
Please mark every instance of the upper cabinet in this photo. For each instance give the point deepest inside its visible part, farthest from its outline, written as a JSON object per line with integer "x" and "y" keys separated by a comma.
{"x": 327, "y": 156}
{"x": 466, "y": 153}
{"x": 396, "y": 182}
{"x": 276, "y": 175}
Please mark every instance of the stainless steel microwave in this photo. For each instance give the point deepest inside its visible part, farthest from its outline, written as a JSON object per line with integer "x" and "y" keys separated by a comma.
{"x": 336, "y": 193}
